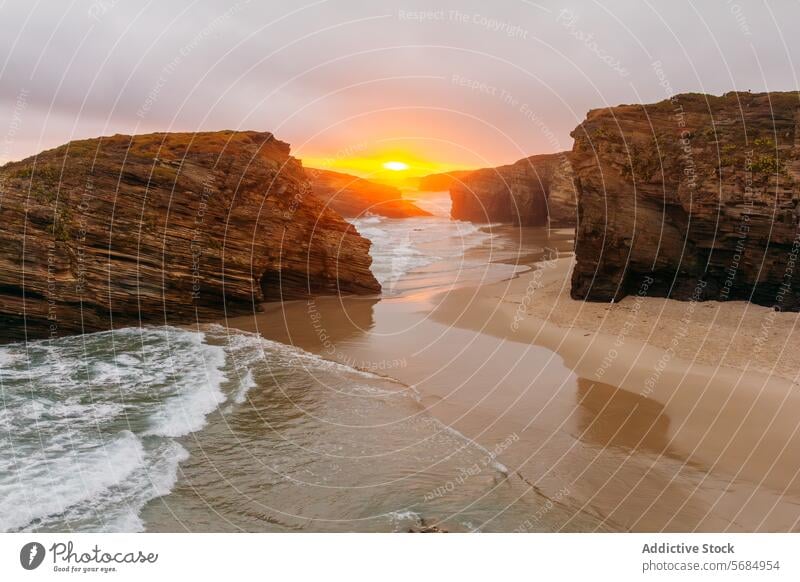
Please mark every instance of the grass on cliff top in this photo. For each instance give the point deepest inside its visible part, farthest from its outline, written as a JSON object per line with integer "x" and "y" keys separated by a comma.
{"x": 174, "y": 145}
{"x": 168, "y": 146}
{"x": 702, "y": 103}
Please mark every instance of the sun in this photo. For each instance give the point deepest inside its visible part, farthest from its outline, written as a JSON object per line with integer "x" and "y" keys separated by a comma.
{"x": 395, "y": 166}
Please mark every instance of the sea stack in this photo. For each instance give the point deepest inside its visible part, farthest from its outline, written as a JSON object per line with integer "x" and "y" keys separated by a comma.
{"x": 534, "y": 191}
{"x": 692, "y": 198}
{"x": 167, "y": 228}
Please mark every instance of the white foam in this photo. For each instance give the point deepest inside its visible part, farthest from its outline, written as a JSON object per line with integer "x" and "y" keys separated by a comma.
{"x": 156, "y": 480}
{"x": 246, "y": 382}
{"x": 199, "y": 393}
{"x": 89, "y": 424}
{"x": 369, "y": 219}
{"x": 402, "y": 246}
{"x": 7, "y": 358}
{"x": 42, "y": 485}
{"x": 402, "y": 519}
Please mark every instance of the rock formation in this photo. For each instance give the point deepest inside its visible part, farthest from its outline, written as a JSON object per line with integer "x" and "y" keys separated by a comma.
{"x": 164, "y": 229}
{"x": 440, "y": 182}
{"x": 534, "y": 191}
{"x": 694, "y": 197}
{"x": 352, "y": 196}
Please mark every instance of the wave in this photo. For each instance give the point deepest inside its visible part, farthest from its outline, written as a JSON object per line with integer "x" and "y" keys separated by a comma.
{"x": 49, "y": 484}
{"x": 404, "y": 245}
{"x": 93, "y": 427}
{"x": 89, "y": 424}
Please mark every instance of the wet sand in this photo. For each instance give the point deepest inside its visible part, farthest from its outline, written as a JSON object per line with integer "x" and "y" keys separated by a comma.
{"x": 583, "y": 402}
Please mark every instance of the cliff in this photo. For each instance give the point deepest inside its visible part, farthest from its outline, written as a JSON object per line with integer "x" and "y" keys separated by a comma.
{"x": 164, "y": 229}
{"x": 534, "y": 191}
{"x": 694, "y": 197}
{"x": 352, "y": 196}
{"x": 441, "y": 182}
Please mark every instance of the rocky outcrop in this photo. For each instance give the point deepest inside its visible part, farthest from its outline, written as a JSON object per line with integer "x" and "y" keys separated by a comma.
{"x": 694, "y": 197}
{"x": 352, "y": 196}
{"x": 534, "y": 191}
{"x": 441, "y": 182}
{"x": 165, "y": 229}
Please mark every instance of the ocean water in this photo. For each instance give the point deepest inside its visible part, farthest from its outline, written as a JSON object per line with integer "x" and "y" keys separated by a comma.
{"x": 212, "y": 429}
{"x": 90, "y": 425}
{"x": 411, "y": 254}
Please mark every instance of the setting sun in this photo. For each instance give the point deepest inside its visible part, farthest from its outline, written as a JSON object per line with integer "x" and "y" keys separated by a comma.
{"x": 395, "y": 166}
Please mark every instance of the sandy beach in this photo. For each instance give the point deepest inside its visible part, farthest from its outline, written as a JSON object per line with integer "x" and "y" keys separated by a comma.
{"x": 646, "y": 415}
{"x": 722, "y": 373}
{"x": 736, "y": 334}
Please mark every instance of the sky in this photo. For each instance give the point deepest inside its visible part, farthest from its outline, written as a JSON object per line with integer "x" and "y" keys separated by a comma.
{"x": 438, "y": 85}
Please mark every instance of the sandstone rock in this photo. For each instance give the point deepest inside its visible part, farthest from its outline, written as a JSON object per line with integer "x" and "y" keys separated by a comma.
{"x": 164, "y": 229}
{"x": 352, "y": 196}
{"x": 692, "y": 197}
{"x": 534, "y": 191}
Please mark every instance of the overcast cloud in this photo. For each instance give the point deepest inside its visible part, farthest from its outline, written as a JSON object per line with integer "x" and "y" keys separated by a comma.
{"x": 473, "y": 83}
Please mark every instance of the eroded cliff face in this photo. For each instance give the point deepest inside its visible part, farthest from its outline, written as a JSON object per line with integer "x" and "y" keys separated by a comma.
{"x": 352, "y": 196}
{"x": 164, "y": 229}
{"x": 694, "y": 197}
{"x": 534, "y": 191}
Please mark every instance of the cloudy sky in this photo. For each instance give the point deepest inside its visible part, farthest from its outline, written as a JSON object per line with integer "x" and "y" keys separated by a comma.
{"x": 441, "y": 84}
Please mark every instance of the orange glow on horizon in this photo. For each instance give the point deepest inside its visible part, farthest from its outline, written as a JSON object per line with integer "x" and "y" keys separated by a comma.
{"x": 391, "y": 167}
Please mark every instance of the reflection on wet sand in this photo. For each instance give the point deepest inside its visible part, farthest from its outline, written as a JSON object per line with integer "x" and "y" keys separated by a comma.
{"x": 610, "y": 417}
{"x": 635, "y": 478}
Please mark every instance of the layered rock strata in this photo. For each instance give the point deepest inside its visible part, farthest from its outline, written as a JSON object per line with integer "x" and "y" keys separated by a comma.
{"x": 691, "y": 198}
{"x": 165, "y": 229}
{"x": 534, "y": 191}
